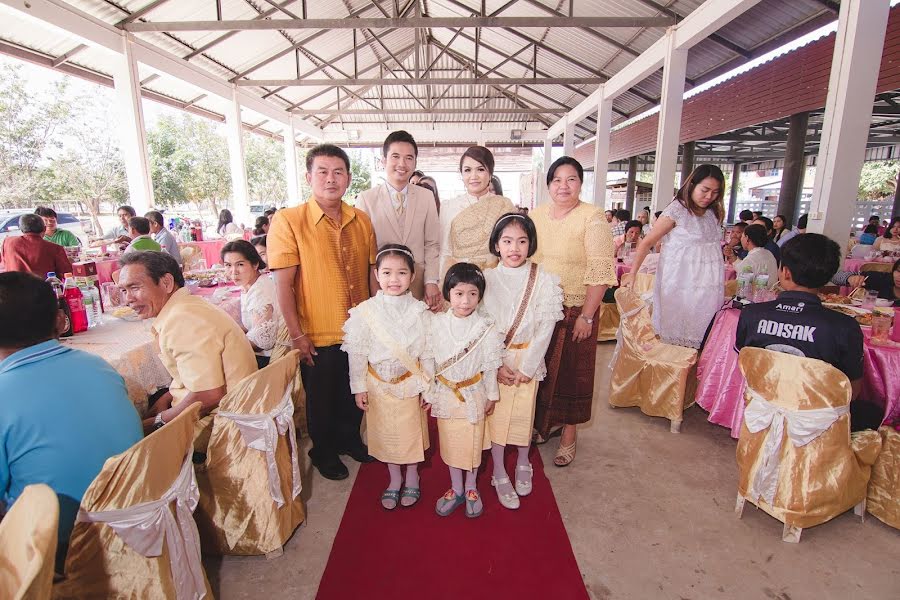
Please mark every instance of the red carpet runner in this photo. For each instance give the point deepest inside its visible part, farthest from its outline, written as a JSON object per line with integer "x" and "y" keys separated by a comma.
{"x": 413, "y": 553}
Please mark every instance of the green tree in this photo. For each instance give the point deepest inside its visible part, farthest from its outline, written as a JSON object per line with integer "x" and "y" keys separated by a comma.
{"x": 878, "y": 179}
{"x": 28, "y": 126}
{"x": 266, "y": 177}
{"x": 361, "y": 176}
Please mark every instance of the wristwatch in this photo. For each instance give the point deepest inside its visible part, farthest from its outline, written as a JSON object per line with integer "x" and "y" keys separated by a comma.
{"x": 587, "y": 320}
{"x": 158, "y": 422}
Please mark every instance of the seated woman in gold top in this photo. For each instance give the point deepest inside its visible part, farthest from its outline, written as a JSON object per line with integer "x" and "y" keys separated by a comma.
{"x": 467, "y": 220}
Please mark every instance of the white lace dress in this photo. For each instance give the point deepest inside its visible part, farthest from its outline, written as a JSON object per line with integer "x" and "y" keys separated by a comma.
{"x": 260, "y": 316}
{"x": 690, "y": 277}
{"x": 502, "y": 297}
{"x": 450, "y": 335}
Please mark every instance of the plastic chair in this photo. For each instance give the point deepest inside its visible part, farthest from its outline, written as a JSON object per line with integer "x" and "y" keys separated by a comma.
{"x": 250, "y": 484}
{"x": 796, "y": 458}
{"x": 28, "y": 537}
{"x": 648, "y": 373}
{"x": 134, "y": 536}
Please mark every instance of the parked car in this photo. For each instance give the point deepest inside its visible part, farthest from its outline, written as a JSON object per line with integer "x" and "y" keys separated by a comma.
{"x": 9, "y": 223}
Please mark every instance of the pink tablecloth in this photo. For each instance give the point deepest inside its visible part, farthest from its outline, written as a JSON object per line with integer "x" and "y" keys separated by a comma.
{"x": 211, "y": 250}
{"x": 720, "y": 383}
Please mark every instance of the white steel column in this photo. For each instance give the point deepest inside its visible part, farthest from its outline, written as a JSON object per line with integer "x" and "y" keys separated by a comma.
{"x": 601, "y": 151}
{"x": 290, "y": 164}
{"x": 569, "y": 139}
{"x": 674, "y": 70}
{"x": 848, "y": 113}
{"x": 240, "y": 192}
{"x": 132, "y": 133}
{"x": 541, "y": 183}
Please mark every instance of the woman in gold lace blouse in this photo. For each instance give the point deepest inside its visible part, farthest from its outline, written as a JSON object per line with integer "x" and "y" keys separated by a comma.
{"x": 575, "y": 242}
{"x": 467, "y": 220}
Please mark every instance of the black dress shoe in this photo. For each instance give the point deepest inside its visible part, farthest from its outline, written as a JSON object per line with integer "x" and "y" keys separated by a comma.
{"x": 360, "y": 454}
{"x": 332, "y": 469}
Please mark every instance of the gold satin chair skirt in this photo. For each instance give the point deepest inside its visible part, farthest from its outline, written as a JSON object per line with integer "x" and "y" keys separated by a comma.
{"x": 883, "y": 498}
{"x": 512, "y": 421}
{"x": 28, "y": 538}
{"x": 461, "y": 443}
{"x": 609, "y": 322}
{"x": 396, "y": 428}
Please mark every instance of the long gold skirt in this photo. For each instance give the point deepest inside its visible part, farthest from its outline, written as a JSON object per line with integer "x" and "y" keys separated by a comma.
{"x": 397, "y": 428}
{"x": 513, "y": 418}
{"x": 461, "y": 443}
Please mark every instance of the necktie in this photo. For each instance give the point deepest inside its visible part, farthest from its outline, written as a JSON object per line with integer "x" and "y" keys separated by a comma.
{"x": 400, "y": 208}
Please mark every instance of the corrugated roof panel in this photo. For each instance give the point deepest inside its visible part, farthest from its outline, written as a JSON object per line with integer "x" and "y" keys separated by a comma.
{"x": 768, "y": 19}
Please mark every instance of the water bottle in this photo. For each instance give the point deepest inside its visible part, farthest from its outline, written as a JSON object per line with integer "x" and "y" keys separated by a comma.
{"x": 98, "y": 304}
{"x": 55, "y": 283}
{"x": 745, "y": 283}
{"x": 761, "y": 286}
{"x": 91, "y": 300}
{"x": 76, "y": 305}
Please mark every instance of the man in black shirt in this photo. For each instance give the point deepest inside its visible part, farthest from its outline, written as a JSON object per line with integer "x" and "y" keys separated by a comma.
{"x": 797, "y": 323}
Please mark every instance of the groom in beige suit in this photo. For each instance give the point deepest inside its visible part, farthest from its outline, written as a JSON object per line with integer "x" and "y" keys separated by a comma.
{"x": 403, "y": 213}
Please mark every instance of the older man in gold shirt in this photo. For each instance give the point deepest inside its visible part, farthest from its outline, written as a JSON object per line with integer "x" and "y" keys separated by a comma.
{"x": 202, "y": 348}
{"x": 322, "y": 253}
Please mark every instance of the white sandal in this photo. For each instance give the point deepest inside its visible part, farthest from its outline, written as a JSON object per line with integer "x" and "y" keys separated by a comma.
{"x": 565, "y": 455}
{"x": 523, "y": 486}
{"x": 510, "y": 501}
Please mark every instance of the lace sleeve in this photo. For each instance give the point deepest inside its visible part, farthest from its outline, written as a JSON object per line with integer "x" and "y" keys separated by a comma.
{"x": 492, "y": 359}
{"x": 547, "y": 312}
{"x": 600, "y": 268}
{"x": 675, "y": 211}
{"x": 356, "y": 345}
{"x": 262, "y": 331}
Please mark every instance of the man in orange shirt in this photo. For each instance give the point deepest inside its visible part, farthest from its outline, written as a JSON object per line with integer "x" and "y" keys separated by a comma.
{"x": 322, "y": 253}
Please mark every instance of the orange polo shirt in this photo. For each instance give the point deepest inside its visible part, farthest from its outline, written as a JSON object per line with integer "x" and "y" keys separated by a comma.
{"x": 333, "y": 261}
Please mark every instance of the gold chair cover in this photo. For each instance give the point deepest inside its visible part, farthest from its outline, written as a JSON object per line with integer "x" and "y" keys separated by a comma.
{"x": 609, "y": 322}
{"x": 823, "y": 478}
{"x": 282, "y": 347}
{"x": 99, "y": 563}
{"x": 238, "y": 513}
{"x": 190, "y": 256}
{"x": 879, "y": 267}
{"x": 648, "y": 373}
{"x": 883, "y": 498}
{"x": 643, "y": 283}
{"x": 731, "y": 288}
{"x": 28, "y": 535}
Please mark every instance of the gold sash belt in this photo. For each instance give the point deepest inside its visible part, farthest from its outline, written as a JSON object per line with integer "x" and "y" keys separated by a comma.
{"x": 458, "y": 385}
{"x": 393, "y": 381}
{"x": 520, "y": 346}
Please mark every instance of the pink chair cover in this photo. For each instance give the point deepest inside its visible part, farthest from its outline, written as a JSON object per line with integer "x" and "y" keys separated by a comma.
{"x": 105, "y": 269}
{"x": 720, "y": 384}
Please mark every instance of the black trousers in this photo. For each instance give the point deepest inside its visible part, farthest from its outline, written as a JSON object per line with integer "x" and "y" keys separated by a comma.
{"x": 332, "y": 416}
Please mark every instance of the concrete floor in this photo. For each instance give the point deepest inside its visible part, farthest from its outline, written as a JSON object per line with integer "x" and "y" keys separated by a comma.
{"x": 650, "y": 515}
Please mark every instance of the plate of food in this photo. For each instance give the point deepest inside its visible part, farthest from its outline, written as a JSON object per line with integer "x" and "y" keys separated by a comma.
{"x": 864, "y": 320}
{"x": 126, "y": 313}
{"x": 834, "y": 299}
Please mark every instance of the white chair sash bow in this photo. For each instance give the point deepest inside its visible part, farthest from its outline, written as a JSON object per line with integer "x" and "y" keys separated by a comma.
{"x": 803, "y": 426}
{"x": 145, "y": 526}
{"x": 261, "y": 432}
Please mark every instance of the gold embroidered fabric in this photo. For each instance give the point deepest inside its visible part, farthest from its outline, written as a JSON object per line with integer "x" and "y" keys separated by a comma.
{"x": 883, "y": 498}
{"x": 471, "y": 229}
{"x": 828, "y": 475}
{"x": 579, "y": 248}
{"x": 237, "y": 513}
{"x": 648, "y": 373}
{"x": 282, "y": 347}
{"x": 28, "y": 544}
{"x": 99, "y": 564}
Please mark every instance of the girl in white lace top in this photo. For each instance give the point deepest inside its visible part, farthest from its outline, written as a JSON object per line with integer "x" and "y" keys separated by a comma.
{"x": 260, "y": 317}
{"x": 467, "y": 351}
{"x": 385, "y": 340}
{"x": 690, "y": 279}
{"x": 525, "y": 302}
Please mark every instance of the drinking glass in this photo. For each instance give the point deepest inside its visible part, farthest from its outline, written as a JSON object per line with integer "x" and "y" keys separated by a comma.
{"x": 869, "y": 300}
{"x": 201, "y": 264}
{"x": 112, "y": 296}
{"x": 881, "y": 326}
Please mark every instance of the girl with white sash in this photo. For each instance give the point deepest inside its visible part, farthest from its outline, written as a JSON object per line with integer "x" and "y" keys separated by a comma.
{"x": 467, "y": 351}
{"x": 385, "y": 340}
{"x": 525, "y": 302}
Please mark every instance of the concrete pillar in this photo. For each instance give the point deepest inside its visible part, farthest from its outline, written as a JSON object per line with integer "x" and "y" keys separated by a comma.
{"x": 601, "y": 154}
{"x": 848, "y": 113}
{"x": 733, "y": 191}
{"x": 631, "y": 185}
{"x": 541, "y": 184}
{"x": 569, "y": 139}
{"x": 674, "y": 69}
{"x": 794, "y": 168}
{"x": 896, "y": 211}
{"x": 132, "y": 134}
{"x": 687, "y": 161}
{"x": 240, "y": 191}
{"x": 290, "y": 164}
